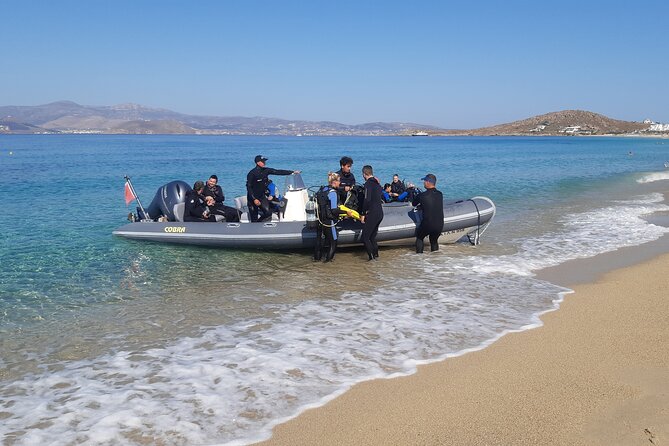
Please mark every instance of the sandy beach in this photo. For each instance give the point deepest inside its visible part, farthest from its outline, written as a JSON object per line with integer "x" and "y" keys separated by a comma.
{"x": 596, "y": 373}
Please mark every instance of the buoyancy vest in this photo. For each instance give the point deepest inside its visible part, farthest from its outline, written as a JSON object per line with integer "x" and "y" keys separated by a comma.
{"x": 325, "y": 211}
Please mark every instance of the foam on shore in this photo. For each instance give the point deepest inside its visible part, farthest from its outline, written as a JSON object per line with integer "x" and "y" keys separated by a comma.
{"x": 233, "y": 383}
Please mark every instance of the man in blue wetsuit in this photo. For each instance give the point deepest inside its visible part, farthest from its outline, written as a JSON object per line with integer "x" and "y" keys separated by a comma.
{"x": 256, "y": 185}
{"x": 431, "y": 202}
{"x": 371, "y": 212}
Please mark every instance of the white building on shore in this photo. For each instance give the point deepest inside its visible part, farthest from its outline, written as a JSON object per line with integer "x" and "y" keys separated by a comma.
{"x": 658, "y": 127}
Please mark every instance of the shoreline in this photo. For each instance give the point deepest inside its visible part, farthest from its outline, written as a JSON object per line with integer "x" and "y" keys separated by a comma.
{"x": 593, "y": 373}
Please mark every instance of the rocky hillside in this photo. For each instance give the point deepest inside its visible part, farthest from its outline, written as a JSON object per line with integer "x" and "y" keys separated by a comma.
{"x": 567, "y": 122}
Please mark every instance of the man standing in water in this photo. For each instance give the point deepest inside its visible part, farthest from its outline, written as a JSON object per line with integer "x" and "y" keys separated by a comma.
{"x": 431, "y": 202}
{"x": 371, "y": 212}
{"x": 256, "y": 185}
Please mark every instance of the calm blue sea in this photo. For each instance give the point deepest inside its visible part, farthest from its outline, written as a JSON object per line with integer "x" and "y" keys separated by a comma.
{"x": 110, "y": 341}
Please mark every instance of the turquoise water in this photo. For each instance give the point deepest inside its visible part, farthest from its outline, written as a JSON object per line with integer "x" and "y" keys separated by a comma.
{"x": 109, "y": 341}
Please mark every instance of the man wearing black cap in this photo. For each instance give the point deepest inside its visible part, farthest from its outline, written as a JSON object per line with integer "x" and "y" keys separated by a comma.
{"x": 431, "y": 202}
{"x": 256, "y": 185}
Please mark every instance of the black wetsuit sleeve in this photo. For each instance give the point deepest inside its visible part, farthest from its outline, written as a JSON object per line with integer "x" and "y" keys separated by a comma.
{"x": 271, "y": 171}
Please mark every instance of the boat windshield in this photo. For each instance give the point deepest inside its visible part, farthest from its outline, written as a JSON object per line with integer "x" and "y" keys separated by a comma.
{"x": 294, "y": 182}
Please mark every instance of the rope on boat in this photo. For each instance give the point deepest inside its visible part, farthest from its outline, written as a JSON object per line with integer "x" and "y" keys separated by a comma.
{"x": 480, "y": 229}
{"x": 477, "y": 237}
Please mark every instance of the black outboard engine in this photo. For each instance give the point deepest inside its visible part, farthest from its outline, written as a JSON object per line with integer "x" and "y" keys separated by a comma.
{"x": 165, "y": 199}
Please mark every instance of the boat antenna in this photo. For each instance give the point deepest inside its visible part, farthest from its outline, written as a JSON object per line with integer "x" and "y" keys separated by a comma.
{"x": 139, "y": 203}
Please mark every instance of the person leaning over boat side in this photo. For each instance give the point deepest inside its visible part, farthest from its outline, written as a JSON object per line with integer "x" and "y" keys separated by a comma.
{"x": 195, "y": 209}
{"x": 371, "y": 213}
{"x": 431, "y": 202}
{"x": 346, "y": 178}
{"x": 215, "y": 191}
{"x": 256, "y": 185}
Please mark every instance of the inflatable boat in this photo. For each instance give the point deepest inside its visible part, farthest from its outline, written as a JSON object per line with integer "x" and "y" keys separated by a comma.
{"x": 293, "y": 227}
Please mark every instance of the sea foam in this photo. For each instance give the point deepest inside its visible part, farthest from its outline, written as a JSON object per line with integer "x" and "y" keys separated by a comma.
{"x": 232, "y": 383}
{"x": 653, "y": 177}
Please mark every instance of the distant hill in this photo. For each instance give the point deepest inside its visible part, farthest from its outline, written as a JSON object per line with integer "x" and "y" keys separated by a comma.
{"x": 70, "y": 117}
{"x": 7, "y": 126}
{"x": 566, "y": 122}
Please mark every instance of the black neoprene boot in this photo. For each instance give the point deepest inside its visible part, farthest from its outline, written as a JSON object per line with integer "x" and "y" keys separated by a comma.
{"x": 419, "y": 246}
{"x": 331, "y": 252}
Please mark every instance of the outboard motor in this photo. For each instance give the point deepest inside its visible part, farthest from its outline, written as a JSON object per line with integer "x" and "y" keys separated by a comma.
{"x": 165, "y": 200}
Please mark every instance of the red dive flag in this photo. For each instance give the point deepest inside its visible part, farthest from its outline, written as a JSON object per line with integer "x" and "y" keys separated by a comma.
{"x": 129, "y": 194}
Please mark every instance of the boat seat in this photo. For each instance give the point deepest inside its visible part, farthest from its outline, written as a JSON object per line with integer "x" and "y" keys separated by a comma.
{"x": 242, "y": 204}
{"x": 179, "y": 210}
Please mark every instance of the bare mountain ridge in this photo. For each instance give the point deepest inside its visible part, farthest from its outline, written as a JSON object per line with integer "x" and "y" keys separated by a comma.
{"x": 566, "y": 122}
{"x": 70, "y": 117}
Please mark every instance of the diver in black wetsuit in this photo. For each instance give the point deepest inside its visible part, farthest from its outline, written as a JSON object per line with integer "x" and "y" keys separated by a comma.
{"x": 371, "y": 212}
{"x": 213, "y": 190}
{"x": 328, "y": 215}
{"x": 256, "y": 185}
{"x": 346, "y": 178}
{"x": 431, "y": 202}
{"x": 195, "y": 209}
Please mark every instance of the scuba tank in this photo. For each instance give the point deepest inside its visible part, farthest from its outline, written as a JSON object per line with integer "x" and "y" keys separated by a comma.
{"x": 310, "y": 208}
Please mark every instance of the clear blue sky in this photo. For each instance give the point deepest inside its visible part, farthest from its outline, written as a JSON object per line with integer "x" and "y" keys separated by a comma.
{"x": 454, "y": 64}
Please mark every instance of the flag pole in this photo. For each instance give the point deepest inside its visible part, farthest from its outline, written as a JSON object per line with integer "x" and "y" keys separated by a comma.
{"x": 139, "y": 203}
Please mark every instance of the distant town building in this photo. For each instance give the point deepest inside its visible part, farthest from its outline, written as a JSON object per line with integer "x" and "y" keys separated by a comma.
{"x": 648, "y": 121}
{"x": 571, "y": 129}
{"x": 659, "y": 127}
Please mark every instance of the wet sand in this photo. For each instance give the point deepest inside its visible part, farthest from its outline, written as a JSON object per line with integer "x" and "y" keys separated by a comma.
{"x": 596, "y": 373}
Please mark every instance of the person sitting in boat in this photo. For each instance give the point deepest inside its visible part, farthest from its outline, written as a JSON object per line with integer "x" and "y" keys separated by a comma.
{"x": 214, "y": 191}
{"x": 256, "y": 185}
{"x": 412, "y": 192}
{"x": 346, "y": 178}
{"x": 398, "y": 191}
{"x": 431, "y": 202}
{"x": 386, "y": 193}
{"x": 195, "y": 207}
{"x": 276, "y": 201}
{"x": 327, "y": 200}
